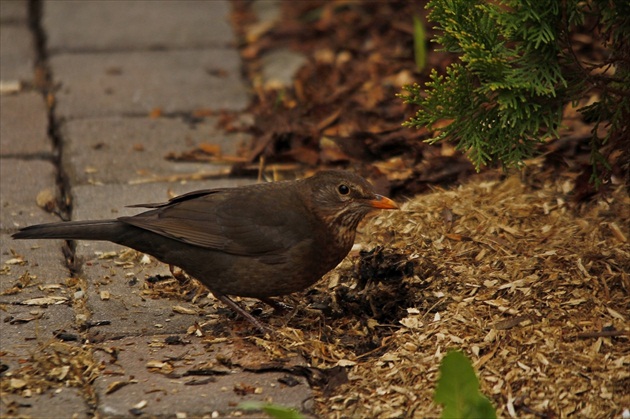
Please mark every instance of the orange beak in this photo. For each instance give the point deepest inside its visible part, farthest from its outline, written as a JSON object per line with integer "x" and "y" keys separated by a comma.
{"x": 382, "y": 202}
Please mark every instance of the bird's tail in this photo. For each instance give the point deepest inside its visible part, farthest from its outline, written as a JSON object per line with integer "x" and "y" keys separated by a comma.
{"x": 73, "y": 230}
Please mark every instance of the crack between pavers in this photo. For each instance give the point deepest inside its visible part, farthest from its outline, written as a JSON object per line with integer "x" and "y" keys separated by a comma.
{"x": 43, "y": 82}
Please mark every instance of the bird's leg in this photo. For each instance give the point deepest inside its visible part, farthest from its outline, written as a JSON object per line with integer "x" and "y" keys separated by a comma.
{"x": 228, "y": 302}
{"x": 278, "y": 306}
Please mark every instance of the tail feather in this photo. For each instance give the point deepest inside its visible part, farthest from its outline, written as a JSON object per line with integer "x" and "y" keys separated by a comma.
{"x": 73, "y": 230}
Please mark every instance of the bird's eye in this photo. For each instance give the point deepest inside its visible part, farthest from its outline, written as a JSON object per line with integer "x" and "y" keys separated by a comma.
{"x": 344, "y": 189}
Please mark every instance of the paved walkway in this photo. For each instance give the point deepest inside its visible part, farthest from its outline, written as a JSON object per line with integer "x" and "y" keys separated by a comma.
{"x": 92, "y": 142}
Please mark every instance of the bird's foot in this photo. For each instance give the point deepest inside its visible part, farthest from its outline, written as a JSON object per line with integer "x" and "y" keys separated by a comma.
{"x": 234, "y": 306}
{"x": 278, "y": 306}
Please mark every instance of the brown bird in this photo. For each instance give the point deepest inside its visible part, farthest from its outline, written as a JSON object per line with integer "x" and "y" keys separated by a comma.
{"x": 257, "y": 241}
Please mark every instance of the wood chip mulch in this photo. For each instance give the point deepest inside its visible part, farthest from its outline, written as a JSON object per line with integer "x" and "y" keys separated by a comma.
{"x": 533, "y": 289}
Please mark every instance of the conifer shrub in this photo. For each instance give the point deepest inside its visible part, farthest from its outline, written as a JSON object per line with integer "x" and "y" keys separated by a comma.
{"x": 517, "y": 68}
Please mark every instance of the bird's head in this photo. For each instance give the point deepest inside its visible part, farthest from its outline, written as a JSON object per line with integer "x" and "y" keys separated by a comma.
{"x": 343, "y": 198}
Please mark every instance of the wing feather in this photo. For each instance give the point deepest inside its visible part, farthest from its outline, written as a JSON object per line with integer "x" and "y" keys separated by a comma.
{"x": 232, "y": 220}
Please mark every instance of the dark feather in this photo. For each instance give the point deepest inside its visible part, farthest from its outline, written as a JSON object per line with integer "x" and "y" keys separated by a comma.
{"x": 209, "y": 219}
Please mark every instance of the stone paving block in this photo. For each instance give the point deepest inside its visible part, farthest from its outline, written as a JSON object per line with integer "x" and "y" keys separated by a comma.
{"x": 135, "y": 83}
{"x": 29, "y": 318}
{"x": 34, "y": 296}
{"x": 64, "y": 402}
{"x": 13, "y": 11}
{"x": 16, "y": 46}
{"x": 280, "y": 66}
{"x": 30, "y": 326}
{"x": 25, "y": 329}
{"x": 20, "y": 182}
{"x": 24, "y": 125}
{"x": 132, "y": 25}
{"x": 42, "y": 259}
{"x": 267, "y": 11}
{"x": 129, "y": 308}
{"x": 119, "y": 150}
{"x": 170, "y": 391}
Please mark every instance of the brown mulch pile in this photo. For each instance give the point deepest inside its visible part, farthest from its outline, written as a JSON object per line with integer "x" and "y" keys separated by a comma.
{"x": 534, "y": 290}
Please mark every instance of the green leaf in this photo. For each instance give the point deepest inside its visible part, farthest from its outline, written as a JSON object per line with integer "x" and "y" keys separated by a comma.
{"x": 458, "y": 389}
{"x": 273, "y": 410}
{"x": 419, "y": 44}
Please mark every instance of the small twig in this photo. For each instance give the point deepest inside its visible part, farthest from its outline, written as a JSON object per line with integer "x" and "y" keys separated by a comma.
{"x": 603, "y": 333}
{"x": 222, "y": 173}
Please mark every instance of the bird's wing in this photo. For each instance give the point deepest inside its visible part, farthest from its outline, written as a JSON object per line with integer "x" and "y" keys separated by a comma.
{"x": 232, "y": 221}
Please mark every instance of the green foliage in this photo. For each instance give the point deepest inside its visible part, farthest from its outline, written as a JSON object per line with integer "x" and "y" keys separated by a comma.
{"x": 515, "y": 73}
{"x": 458, "y": 389}
{"x": 419, "y": 44}
{"x": 273, "y": 410}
